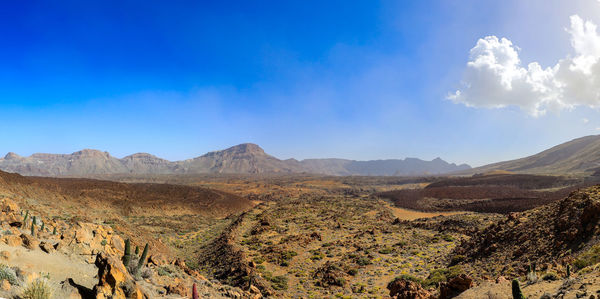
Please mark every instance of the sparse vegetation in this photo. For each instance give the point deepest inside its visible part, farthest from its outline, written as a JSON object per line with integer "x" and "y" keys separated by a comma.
{"x": 588, "y": 258}
{"x": 37, "y": 289}
{"x": 8, "y": 274}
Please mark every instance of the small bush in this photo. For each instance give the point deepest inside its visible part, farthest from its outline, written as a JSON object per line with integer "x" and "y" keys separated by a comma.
{"x": 409, "y": 277}
{"x": 363, "y": 261}
{"x": 164, "y": 271}
{"x": 8, "y": 274}
{"x": 37, "y": 289}
{"x": 441, "y": 275}
{"x": 386, "y": 250}
{"x": 550, "y": 276}
{"x": 279, "y": 283}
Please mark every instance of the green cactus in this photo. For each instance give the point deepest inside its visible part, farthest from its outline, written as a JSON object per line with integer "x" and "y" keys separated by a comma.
{"x": 127, "y": 256}
{"x": 25, "y": 219}
{"x": 33, "y": 227}
{"x": 568, "y": 270}
{"x": 54, "y": 231}
{"x": 43, "y": 225}
{"x": 142, "y": 260}
{"x": 137, "y": 250}
{"x": 516, "y": 290}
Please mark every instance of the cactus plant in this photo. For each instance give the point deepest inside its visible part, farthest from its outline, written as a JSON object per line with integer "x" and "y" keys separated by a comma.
{"x": 194, "y": 292}
{"x": 33, "y": 227}
{"x": 54, "y": 231}
{"x": 43, "y": 225}
{"x": 137, "y": 250}
{"x": 516, "y": 290}
{"x": 568, "y": 270}
{"x": 142, "y": 260}
{"x": 127, "y": 255}
{"x": 25, "y": 219}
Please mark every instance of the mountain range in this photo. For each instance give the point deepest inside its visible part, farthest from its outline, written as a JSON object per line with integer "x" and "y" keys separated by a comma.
{"x": 244, "y": 158}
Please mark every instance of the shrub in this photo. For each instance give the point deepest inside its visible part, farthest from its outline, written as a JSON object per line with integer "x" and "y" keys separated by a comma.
{"x": 279, "y": 283}
{"x": 8, "y": 274}
{"x": 37, "y": 289}
{"x": 550, "y": 276}
{"x": 363, "y": 261}
{"x": 457, "y": 259}
{"x": 386, "y": 250}
{"x": 409, "y": 277}
{"x": 441, "y": 275}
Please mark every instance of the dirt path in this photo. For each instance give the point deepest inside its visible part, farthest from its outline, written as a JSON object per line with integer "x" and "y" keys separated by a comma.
{"x": 405, "y": 214}
{"x": 57, "y": 265}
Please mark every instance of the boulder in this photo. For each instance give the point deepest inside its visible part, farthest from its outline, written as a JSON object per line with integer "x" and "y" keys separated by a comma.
{"x": 47, "y": 247}
{"x": 29, "y": 241}
{"x": 406, "y": 289}
{"x": 178, "y": 287}
{"x": 9, "y": 206}
{"x": 455, "y": 286}
{"x": 114, "y": 281}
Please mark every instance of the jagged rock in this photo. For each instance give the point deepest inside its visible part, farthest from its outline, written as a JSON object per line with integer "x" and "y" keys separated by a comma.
{"x": 29, "y": 242}
{"x": 114, "y": 281}
{"x": 117, "y": 243}
{"x": 68, "y": 290}
{"x": 405, "y": 289}
{"x": 9, "y": 206}
{"x": 47, "y": 247}
{"x": 455, "y": 286}
{"x": 178, "y": 287}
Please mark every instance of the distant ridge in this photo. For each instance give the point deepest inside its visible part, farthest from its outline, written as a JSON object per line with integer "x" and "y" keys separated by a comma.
{"x": 244, "y": 158}
{"x": 578, "y": 156}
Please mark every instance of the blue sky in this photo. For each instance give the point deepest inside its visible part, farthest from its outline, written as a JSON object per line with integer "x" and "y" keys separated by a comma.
{"x": 304, "y": 79}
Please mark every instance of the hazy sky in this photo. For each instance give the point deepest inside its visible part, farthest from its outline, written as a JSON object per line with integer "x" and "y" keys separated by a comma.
{"x": 304, "y": 79}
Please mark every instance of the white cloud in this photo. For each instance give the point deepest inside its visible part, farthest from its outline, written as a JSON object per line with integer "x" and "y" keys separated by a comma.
{"x": 495, "y": 77}
{"x": 585, "y": 120}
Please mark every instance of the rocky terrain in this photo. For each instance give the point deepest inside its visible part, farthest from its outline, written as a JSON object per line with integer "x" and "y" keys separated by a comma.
{"x": 296, "y": 236}
{"x": 242, "y": 159}
{"x": 85, "y": 260}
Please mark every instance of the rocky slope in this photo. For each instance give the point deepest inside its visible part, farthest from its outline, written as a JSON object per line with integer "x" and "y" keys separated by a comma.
{"x": 243, "y": 159}
{"x": 577, "y": 156}
{"x": 550, "y": 236}
{"x": 85, "y": 260}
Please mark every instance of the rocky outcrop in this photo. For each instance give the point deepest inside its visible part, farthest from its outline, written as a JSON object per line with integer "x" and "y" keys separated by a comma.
{"x": 455, "y": 286}
{"x": 406, "y": 289}
{"x": 114, "y": 282}
{"x": 542, "y": 235}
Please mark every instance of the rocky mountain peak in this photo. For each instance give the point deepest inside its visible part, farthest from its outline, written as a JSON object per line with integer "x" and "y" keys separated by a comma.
{"x": 12, "y": 156}
{"x": 90, "y": 153}
{"x": 246, "y": 148}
